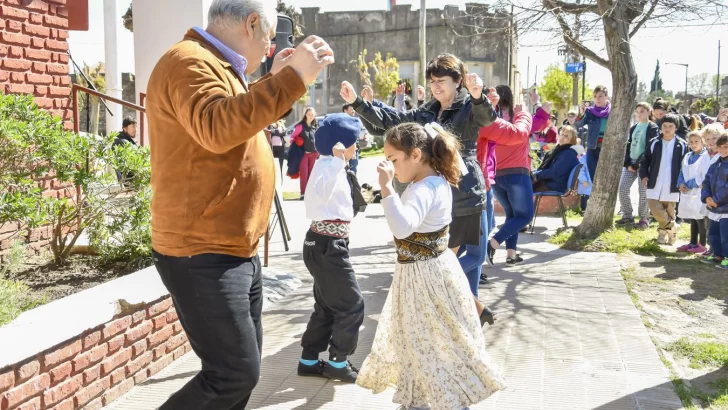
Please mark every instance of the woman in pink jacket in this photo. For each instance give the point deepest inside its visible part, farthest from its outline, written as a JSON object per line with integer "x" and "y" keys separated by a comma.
{"x": 513, "y": 187}
{"x": 303, "y": 136}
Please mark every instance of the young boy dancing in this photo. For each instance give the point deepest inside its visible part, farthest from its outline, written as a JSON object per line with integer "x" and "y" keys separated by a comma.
{"x": 333, "y": 198}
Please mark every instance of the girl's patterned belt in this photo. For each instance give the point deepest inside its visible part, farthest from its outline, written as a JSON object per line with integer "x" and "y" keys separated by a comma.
{"x": 422, "y": 246}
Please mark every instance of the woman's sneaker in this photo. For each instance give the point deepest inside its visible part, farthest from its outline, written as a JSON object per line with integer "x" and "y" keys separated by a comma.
{"x": 489, "y": 253}
{"x": 514, "y": 261}
{"x": 686, "y": 248}
{"x": 643, "y": 224}
{"x": 698, "y": 249}
{"x": 713, "y": 260}
{"x": 625, "y": 221}
{"x": 483, "y": 279}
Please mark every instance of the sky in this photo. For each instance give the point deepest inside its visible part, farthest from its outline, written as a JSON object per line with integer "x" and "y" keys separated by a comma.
{"x": 696, "y": 46}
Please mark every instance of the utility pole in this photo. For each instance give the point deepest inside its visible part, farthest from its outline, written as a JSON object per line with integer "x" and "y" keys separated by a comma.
{"x": 685, "y": 98}
{"x": 511, "y": 71}
{"x": 583, "y": 79}
{"x": 717, "y": 84}
{"x": 575, "y": 58}
{"x": 528, "y": 72}
{"x": 423, "y": 43}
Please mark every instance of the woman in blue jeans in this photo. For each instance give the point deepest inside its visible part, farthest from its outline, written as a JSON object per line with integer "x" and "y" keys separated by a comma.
{"x": 513, "y": 187}
{"x": 472, "y": 257}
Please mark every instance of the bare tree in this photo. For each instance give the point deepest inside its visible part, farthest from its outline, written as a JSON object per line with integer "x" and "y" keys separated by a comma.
{"x": 614, "y": 22}
{"x": 702, "y": 84}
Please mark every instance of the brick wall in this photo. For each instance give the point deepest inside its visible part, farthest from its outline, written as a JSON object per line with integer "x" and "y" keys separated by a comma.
{"x": 33, "y": 45}
{"x": 33, "y": 60}
{"x": 98, "y": 367}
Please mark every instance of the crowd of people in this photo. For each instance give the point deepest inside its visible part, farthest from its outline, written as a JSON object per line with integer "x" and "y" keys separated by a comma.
{"x": 446, "y": 159}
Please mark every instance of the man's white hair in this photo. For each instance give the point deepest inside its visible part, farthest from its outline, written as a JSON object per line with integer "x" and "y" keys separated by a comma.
{"x": 224, "y": 12}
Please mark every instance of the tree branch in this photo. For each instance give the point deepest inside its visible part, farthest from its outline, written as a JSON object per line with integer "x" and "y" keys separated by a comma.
{"x": 573, "y": 8}
{"x": 646, "y": 17}
{"x": 569, "y": 36}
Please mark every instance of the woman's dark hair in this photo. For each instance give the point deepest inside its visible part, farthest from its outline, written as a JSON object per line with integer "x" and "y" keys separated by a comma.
{"x": 314, "y": 123}
{"x": 672, "y": 119}
{"x": 660, "y": 104}
{"x": 722, "y": 140}
{"x": 441, "y": 152}
{"x": 601, "y": 89}
{"x": 447, "y": 65}
{"x": 506, "y": 99}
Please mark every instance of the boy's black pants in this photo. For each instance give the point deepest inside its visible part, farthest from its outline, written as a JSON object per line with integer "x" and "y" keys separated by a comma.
{"x": 339, "y": 309}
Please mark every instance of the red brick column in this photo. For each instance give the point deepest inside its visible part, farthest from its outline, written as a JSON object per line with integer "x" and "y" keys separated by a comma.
{"x": 33, "y": 52}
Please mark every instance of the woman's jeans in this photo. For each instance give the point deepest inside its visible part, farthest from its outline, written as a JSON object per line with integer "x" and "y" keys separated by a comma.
{"x": 472, "y": 257}
{"x": 592, "y": 159}
{"x": 515, "y": 195}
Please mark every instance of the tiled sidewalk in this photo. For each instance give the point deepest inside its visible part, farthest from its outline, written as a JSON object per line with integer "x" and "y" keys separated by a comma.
{"x": 567, "y": 333}
{"x": 568, "y": 336}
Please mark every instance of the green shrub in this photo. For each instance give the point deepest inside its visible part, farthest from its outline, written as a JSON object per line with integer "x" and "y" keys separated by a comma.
{"x": 15, "y": 299}
{"x": 40, "y": 147}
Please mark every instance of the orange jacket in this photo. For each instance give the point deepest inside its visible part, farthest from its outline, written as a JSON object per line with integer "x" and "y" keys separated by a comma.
{"x": 212, "y": 167}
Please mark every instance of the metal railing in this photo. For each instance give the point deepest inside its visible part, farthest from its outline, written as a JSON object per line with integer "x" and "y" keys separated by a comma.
{"x": 76, "y": 88}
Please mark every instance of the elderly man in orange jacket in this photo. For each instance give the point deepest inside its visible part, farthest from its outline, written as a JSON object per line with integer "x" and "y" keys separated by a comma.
{"x": 213, "y": 178}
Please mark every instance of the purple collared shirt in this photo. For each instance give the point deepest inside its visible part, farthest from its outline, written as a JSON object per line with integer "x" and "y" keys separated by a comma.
{"x": 238, "y": 62}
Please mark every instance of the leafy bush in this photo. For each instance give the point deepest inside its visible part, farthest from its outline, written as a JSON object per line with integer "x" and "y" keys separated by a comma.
{"x": 14, "y": 296}
{"x": 15, "y": 299}
{"x": 39, "y": 147}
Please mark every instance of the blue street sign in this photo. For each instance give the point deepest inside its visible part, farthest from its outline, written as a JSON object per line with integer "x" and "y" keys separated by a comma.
{"x": 574, "y": 67}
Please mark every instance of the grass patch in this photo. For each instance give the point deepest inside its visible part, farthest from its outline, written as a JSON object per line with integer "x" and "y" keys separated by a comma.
{"x": 291, "y": 196}
{"x": 616, "y": 240}
{"x": 700, "y": 354}
{"x": 720, "y": 396}
{"x": 574, "y": 216}
{"x": 683, "y": 392}
{"x": 371, "y": 152}
{"x": 629, "y": 277}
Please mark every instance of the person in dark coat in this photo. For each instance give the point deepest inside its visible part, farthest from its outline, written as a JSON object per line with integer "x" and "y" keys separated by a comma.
{"x": 126, "y": 136}
{"x": 460, "y": 110}
{"x": 460, "y": 106}
{"x": 553, "y": 174}
{"x": 714, "y": 194}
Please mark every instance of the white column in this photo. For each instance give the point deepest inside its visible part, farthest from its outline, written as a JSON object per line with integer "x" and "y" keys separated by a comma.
{"x": 156, "y": 29}
{"x": 112, "y": 27}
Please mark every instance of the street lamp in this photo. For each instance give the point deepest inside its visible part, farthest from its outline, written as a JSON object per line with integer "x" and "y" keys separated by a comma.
{"x": 686, "y": 81}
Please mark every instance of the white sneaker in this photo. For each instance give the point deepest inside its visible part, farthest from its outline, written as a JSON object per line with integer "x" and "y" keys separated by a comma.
{"x": 662, "y": 236}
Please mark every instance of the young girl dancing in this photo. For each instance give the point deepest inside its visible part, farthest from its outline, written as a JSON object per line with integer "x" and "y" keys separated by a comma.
{"x": 429, "y": 343}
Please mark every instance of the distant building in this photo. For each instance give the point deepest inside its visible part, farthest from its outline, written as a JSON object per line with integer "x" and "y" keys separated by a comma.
{"x": 476, "y": 35}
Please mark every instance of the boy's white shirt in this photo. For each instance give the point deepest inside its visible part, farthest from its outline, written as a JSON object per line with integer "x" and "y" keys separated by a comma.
{"x": 328, "y": 193}
{"x": 663, "y": 186}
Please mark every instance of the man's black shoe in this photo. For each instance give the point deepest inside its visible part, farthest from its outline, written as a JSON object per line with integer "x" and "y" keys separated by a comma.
{"x": 311, "y": 371}
{"x": 346, "y": 374}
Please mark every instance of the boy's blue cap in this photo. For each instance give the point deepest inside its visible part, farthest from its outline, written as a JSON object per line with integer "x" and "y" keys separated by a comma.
{"x": 336, "y": 128}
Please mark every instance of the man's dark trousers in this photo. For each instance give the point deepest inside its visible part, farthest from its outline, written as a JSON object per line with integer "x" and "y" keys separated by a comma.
{"x": 339, "y": 308}
{"x": 219, "y": 301}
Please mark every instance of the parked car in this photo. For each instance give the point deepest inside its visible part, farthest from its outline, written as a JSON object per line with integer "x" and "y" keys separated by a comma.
{"x": 366, "y": 141}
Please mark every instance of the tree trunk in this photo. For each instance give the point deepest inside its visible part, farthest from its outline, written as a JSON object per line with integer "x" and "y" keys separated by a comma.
{"x": 600, "y": 212}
